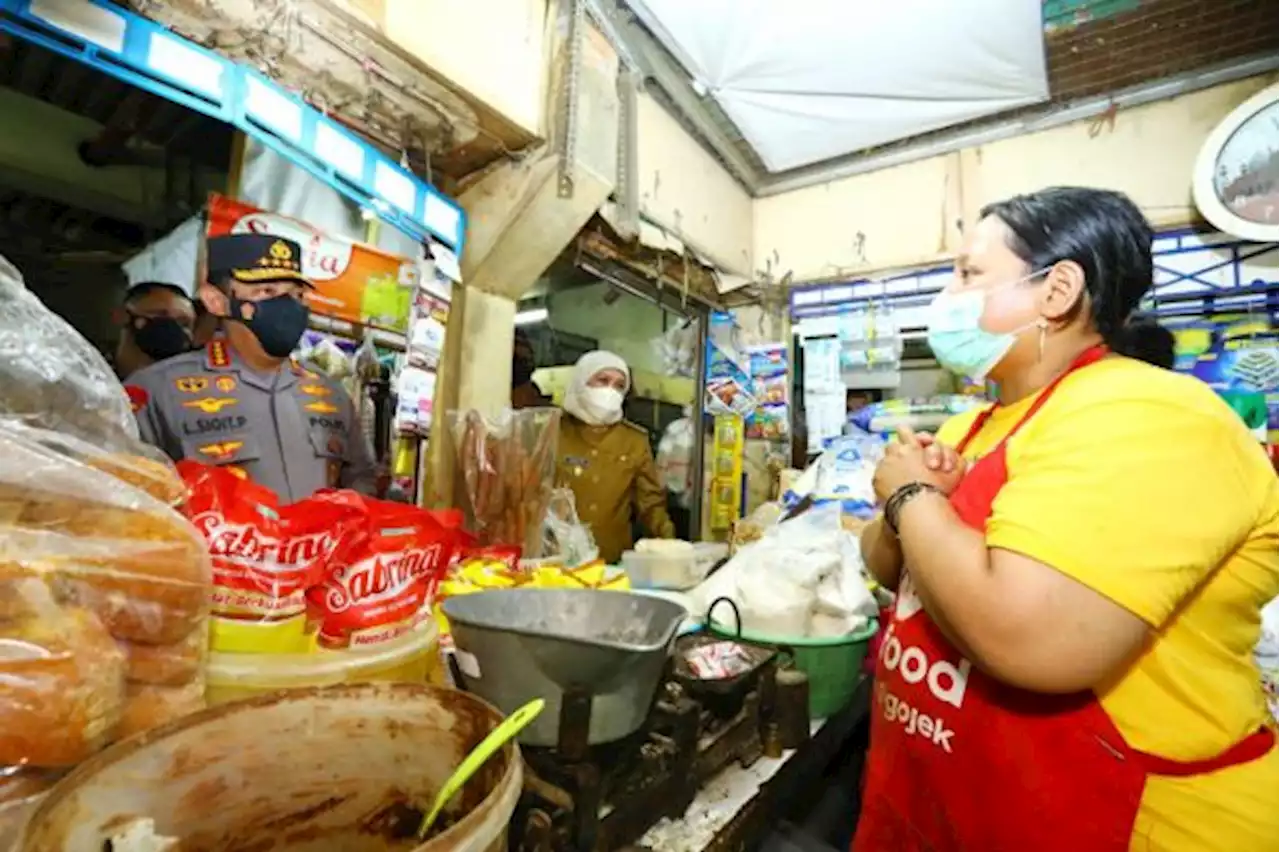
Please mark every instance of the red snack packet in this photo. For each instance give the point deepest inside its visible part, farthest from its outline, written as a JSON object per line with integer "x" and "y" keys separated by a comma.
{"x": 380, "y": 579}
{"x": 264, "y": 556}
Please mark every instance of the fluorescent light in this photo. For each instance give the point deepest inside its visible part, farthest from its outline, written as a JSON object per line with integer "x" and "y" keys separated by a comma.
{"x": 533, "y": 316}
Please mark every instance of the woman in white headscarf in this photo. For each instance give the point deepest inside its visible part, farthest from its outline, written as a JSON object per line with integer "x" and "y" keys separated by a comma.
{"x": 607, "y": 461}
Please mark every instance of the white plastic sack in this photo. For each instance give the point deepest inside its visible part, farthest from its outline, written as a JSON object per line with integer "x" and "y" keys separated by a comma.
{"x": 842, "y": 475}
{"x": 802, "y": 578}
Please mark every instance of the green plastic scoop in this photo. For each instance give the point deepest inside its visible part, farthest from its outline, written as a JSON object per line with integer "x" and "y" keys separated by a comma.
{"x": 512, "y": 725}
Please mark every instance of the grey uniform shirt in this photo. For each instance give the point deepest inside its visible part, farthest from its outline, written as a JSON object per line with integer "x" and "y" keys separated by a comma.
{"x": 292, "y": 430}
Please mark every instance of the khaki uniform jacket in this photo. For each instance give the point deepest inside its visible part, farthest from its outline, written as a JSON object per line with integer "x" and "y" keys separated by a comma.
{"x": 293, "y": 430}
{"x": 611, "y": 472}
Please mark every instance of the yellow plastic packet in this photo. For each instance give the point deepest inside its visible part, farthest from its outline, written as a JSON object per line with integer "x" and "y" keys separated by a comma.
{"x": 481, "y": 574}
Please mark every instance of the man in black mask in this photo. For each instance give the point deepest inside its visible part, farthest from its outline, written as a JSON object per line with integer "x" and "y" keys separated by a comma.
{"x": 241, "y": 401}
{"x": 525, "y": 392}
{"x": 156, "y": 322}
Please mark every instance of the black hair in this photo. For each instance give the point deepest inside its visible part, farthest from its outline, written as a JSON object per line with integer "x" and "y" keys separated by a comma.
{"x": 145, "y": 288}
{"x": 1148, "y": 341}
{"x": 1102, "y": 231}
{"x": 220, "y": 279}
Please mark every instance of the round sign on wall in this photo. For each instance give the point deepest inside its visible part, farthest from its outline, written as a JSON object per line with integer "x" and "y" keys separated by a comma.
{"x": 1237, "y": 174}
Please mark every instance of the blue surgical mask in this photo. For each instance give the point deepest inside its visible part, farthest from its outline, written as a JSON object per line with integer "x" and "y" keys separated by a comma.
{"x": 957, "y": 337}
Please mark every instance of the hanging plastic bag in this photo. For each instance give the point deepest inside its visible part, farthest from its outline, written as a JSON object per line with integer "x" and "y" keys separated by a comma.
{"x": 674, "y": 459}
{"x": 103, "y": 585}
{"x": 51, "y": 377}
{"x": 506, "y": 466}
{"x": 677, "y": 349}
{"x": 567, "y": 538}
{"x": 366, "y": 366}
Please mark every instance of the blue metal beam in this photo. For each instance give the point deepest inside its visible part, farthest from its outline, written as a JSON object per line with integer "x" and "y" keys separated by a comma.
{"x": 145, "y": 54}
{"x": 1186, "y": 261}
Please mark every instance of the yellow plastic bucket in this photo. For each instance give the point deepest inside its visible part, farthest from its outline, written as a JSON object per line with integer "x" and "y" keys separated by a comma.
{"x": 413, "y": 658}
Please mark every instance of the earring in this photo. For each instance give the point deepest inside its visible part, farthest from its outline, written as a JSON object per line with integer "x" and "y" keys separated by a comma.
{"x": 1043, "y": 325}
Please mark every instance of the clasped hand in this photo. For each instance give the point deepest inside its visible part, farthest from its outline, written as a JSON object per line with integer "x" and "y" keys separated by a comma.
{"x": 917, "y": 457}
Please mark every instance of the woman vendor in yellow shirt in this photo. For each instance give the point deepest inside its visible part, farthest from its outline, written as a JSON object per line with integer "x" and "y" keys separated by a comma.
{"x": 1079, "y": 567}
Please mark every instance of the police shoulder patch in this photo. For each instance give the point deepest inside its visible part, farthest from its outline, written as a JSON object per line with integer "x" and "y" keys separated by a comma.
{"x": 315, "y": 389}
{"x": 191, "y": 384}
{"x": 221, "y": 450}
{"x": 209, "y": 405}
{"x": 138, "y": 397}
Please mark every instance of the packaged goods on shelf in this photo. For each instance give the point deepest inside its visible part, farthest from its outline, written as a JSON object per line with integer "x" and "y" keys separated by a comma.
{"x": 923, "y": 414}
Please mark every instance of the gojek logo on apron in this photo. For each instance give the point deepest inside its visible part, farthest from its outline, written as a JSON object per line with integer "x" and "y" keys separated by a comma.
{"x": 946, "y": 682}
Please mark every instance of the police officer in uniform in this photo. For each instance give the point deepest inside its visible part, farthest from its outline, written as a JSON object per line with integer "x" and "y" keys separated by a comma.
{"x": 240, "y": 401}
{"x": 606, "y": 461}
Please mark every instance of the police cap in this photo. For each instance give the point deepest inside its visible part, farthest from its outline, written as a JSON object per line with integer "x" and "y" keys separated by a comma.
{"x": 255, "y": 259}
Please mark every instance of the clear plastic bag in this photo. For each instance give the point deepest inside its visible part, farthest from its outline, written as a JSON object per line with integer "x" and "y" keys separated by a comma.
{"x": 101, "y": 579}
{"x": 565, "y": 536}
{"x": 677, "y": 349}
{"x": 90, "y": 567}
{"x": 506, "y": 467}
{"x": 51, "y": 377}
{"x": 674, "y": 459}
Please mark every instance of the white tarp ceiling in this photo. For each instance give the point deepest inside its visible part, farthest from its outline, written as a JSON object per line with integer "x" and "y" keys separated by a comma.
{"x": 808, "y": 80}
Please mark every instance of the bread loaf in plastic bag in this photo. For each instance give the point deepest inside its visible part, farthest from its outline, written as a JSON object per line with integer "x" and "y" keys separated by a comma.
{"x": 101, "y": 577}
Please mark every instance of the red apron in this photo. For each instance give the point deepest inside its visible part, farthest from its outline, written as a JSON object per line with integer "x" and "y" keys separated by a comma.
{"x": 962, "y": 763}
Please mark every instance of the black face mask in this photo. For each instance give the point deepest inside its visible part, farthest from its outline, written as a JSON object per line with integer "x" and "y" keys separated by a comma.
{"x": 521, "y": 372}
{"x": 159, "y": 337}
{"x": 278, "y": 323}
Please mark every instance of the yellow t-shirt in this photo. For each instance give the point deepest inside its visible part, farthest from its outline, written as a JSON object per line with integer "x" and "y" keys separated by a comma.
{"x": 1145, "y": 486}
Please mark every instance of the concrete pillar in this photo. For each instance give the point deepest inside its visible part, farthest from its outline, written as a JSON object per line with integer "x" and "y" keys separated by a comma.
{"x": 518, "y": 223}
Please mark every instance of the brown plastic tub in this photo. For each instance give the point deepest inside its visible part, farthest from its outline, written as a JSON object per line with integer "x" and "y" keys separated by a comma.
{"x": 299, "y": 771}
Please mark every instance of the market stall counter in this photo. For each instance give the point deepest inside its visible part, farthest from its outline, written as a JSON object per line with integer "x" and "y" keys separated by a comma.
{"x": 738, "y": 808}
{"x": 644, "y": 739}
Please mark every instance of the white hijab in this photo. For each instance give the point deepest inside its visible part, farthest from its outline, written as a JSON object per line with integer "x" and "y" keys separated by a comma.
{"x": 584, "y": 402}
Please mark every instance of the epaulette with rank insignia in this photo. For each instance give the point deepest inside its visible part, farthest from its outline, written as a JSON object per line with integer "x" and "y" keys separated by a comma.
{"x": 217, "y": 354}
